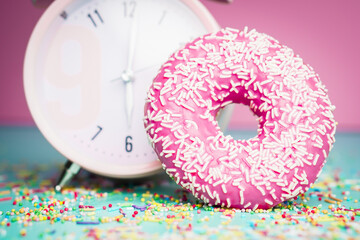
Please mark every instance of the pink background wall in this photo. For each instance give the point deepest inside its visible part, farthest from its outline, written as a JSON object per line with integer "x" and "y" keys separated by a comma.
{"x": 323, "y": 32}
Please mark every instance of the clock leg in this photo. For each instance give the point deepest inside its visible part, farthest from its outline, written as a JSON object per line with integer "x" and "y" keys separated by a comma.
{"x": 70, "y": 170}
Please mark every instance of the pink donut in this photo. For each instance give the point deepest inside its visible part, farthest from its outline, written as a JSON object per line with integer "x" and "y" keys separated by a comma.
{"x": 296, "y": 123}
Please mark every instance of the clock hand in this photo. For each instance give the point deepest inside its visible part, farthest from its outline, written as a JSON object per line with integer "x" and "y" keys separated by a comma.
{"x": 139, "y": 70}
{"x": 128, "y": 79}
{"x": 132, "y": 45}
{"x": 128, "y": 76}
{"x": 158, "y": 64}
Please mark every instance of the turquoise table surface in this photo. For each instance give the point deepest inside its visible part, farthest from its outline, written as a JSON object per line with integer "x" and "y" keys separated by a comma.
{"x": 95, "y": 207}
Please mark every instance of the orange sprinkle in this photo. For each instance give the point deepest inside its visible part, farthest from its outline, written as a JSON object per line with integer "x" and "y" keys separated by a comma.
{"x": 334, "y": 198}
{"x": 329, "y": 201}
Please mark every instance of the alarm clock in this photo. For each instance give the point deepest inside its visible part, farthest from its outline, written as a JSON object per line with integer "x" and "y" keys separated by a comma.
{"x": 88, "y": 66}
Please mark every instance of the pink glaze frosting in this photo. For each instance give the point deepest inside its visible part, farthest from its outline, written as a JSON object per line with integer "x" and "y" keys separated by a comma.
{"x": 296, "y": 123}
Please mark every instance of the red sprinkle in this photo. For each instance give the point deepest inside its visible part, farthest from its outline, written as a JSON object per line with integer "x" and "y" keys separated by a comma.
{"x": 104, "y": 207}
{"x": 5, "y": 199}
{"x": 190, "y": 226}
{"x": 110, "y": 205}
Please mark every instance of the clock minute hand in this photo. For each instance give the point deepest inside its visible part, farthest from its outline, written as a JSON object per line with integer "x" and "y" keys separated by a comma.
{"x": 128, "y": 75}
{"x": 132, "y": 45}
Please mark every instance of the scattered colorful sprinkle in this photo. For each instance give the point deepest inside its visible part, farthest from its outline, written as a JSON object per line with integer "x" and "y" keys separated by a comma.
{"x": 162, "y": 208}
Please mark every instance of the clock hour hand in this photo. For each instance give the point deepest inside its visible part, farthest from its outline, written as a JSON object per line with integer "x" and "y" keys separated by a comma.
{"x": 128, "y": 80}
{"x": 155, "y": 65}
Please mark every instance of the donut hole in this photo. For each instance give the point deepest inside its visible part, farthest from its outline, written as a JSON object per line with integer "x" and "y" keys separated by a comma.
{"x": 243, "y": 123}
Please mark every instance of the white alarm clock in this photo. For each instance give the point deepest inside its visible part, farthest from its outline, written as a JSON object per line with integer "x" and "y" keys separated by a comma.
{"x": 87, "y": 68}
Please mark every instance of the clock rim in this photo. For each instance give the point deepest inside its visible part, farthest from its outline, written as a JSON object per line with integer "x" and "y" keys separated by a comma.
{"x": 42, "y": 26}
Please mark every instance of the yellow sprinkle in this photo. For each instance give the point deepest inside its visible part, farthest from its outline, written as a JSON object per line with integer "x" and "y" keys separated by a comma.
{"x": 88, "y": 209}
{"x": 5, "y": 192}
{"x": 118, "y": 217}
{"x": 325, "y": 219}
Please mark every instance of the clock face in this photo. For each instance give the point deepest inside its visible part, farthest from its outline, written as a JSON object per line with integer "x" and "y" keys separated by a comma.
{"x": 88, "y": 66}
